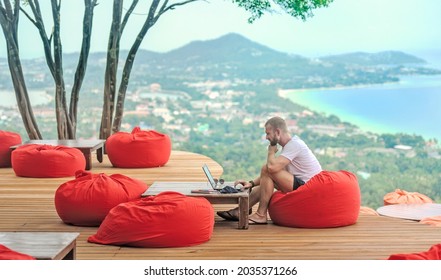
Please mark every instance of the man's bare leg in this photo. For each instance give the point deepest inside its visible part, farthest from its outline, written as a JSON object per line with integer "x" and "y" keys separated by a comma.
{"x": 253, "y": 200}
{"x": 266, "y": 191}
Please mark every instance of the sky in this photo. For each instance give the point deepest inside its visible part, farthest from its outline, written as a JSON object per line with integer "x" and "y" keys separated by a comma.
{"x": 344, "y": 26}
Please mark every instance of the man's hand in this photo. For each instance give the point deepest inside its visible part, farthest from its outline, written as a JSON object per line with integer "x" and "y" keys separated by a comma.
{"x": 272, "y": 149}
{"x": 246, "y": 185}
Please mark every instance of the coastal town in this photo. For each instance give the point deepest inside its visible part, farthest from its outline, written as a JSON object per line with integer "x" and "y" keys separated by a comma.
{"x": 174, "y": 112}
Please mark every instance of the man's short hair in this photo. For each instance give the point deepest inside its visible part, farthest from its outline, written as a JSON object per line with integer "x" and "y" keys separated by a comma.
{"x": 277, "y": 123}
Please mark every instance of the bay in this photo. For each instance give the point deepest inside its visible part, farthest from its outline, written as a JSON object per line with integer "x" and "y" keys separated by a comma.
{"x": 411, "y": 106}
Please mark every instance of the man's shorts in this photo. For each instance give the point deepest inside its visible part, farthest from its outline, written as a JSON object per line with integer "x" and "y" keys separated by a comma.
{"x": 297, "y": 183}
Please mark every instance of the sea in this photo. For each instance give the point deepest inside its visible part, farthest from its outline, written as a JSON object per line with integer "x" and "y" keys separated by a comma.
{"x": 411, "y": 106}
{"x": 36, "y": 97}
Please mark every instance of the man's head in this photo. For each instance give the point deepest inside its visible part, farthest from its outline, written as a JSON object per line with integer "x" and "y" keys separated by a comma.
{"x": 276, "y": 131}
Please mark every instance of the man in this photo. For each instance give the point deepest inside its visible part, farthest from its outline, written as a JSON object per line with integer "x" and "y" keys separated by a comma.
{"x": 295, "y": 165}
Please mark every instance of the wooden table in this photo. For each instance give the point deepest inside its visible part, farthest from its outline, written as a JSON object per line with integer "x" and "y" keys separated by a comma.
{"x": 85, "y": 146}
{"x": 240, "y": 198}
{"x": 42, "y": 245}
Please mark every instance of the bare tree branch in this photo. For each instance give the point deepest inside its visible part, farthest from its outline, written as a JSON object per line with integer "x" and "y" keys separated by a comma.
{"x": 127, "y": 15}
{"x": 35, "y": 7}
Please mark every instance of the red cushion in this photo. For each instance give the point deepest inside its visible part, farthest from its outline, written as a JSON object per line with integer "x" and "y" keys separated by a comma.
{"x": 7, "y": 139}
{"x": 9, "y": 254}
{"x": 46, "y": 161}
{"x": 329, "y": 199}
{"x": 168, "y": 219}
{"x": 434, "y": 253}
{"x": 139, "y": 149}
{"x": 86, "y": 200}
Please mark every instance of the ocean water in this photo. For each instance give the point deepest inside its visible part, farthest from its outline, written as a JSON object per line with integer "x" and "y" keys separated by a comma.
{"x": 412, "y": 106}
{"x": 36, "y": 97}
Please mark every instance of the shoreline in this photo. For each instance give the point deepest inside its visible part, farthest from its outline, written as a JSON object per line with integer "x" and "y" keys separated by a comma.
{"x": 362, "y": 121}
{"x": 283, "y": 92}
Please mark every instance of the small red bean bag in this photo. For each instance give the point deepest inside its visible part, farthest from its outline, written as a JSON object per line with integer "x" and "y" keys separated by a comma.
{"x": 7, "y": 139}
{"x": 405, "y": 197}
{"x": 86, "y": 200}
{"x": 46, "y": 161}
{"x": 139, "y": 149}
{"x": 169, "y": 219}
{"x": 434, "y": 253}
{"x": 329, "y": 199}
{"x": 9, "y": 254}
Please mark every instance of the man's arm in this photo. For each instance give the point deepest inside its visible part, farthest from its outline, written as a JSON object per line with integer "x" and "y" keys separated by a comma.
{"x": 273, "y": 163}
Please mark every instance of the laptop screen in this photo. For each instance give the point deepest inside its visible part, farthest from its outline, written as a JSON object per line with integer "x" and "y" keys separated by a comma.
{"x": 209, "y": 176}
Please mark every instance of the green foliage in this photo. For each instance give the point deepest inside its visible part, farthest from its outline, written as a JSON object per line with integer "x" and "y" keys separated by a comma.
{"x": 297, "y": 8}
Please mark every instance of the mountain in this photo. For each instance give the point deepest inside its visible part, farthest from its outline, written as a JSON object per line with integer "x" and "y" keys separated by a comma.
{"x": 240, "y": 59}
{"x": 228, "y": 48}
{"x": 229, "y": 56}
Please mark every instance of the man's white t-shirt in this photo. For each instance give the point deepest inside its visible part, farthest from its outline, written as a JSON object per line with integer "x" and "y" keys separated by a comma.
{"x": 303, "y": 163}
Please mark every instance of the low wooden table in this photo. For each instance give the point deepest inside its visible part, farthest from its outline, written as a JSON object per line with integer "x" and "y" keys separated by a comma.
{"x": 240, "y": 198}
{"x": 42, "y": 245}
{"x": 85, "y": 146}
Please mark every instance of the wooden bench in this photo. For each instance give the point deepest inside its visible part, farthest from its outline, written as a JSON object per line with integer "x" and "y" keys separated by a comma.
{"x": 42, "y": 245}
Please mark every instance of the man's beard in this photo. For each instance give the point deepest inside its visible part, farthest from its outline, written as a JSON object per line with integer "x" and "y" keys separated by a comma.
{"x": 274, "y": 142}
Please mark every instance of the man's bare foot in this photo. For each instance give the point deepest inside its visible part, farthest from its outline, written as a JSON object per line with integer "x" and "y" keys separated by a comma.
{"x": 257, "y": 219}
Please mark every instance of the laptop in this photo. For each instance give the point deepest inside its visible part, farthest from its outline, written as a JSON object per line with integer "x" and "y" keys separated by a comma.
{"x": 214, "y": 185}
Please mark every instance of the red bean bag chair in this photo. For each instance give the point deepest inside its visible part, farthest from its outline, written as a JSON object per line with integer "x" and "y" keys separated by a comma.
{"x": 9, "y": 254}
{"x": 169, "y": 219}
{"x": 405, "y": 197}
{"x": 86, "y": 200}
{"x": 7, "y": 139}
{"x": 434, "y": 253}
{"x": 329, "y": 199}
{"x": 139, "y": 149}
{"x": 46, "y": 161}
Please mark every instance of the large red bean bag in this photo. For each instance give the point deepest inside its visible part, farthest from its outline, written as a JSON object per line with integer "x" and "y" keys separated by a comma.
{"x": 46, "y": 161}
{"x": 329, "y": 199}
{"x": 9, "y": 254}
{"x": 405, "y": 197}
{"x": 138, "y": 149}
{"x": 169, "y": 219}
{"x": 7, "y": 139}
{"x": 86, "y": 200}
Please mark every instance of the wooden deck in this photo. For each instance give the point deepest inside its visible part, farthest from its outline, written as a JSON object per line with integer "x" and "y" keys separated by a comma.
{"x": 27, "y": 204}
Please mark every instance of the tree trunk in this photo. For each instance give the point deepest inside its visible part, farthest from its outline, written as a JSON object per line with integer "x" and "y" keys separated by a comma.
{"x": 119, "y": 110}
{"x": 9, "y": 22}
{"x": 82, "y": 63}
{"x": 112, "y": 115}
{"x": 64, "y": 124}
{"x": 111, "y": 71}
{"x": 66, "y": 119}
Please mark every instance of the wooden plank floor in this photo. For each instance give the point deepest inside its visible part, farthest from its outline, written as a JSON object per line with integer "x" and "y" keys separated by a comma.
{"x": 27, "y": 204}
